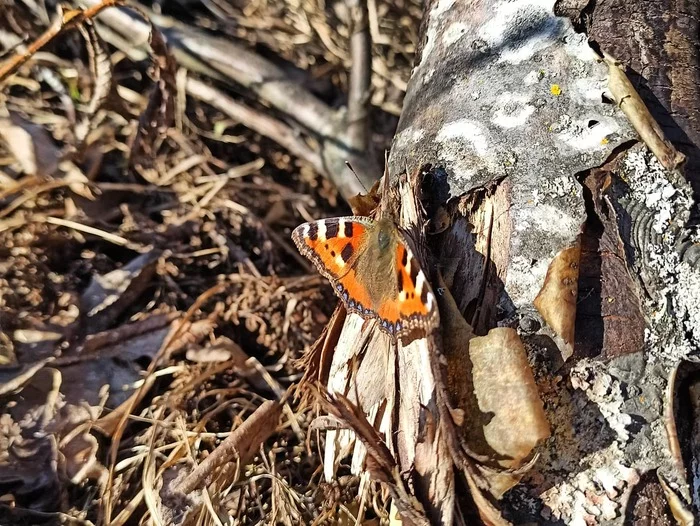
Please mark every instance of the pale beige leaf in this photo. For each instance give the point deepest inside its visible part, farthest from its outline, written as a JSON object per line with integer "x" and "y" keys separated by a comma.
{"x": 505, "y": 390}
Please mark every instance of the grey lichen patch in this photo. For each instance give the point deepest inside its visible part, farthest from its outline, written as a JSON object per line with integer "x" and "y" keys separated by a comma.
{"x": 605, "y": 391}
{"x": 659, "y": 190}
{"x": 657, "y": 204}
{"x": 594, "y": 495}
{"x": 598, "y": 440}
{"x": 508, "y": 90}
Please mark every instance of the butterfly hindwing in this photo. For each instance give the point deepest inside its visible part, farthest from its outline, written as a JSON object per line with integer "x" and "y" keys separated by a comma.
{"x": 413, "y": 306}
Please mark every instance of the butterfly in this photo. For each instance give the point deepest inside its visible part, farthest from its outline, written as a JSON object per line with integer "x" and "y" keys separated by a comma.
{"x": 373, "y": 272}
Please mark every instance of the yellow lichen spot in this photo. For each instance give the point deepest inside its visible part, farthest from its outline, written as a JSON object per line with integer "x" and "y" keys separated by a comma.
{"x": 555, "y": 89}
{"x": 604, "y": 140}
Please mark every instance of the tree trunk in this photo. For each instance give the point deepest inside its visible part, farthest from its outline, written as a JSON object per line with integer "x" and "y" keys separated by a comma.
{"x": 564, "y": 226}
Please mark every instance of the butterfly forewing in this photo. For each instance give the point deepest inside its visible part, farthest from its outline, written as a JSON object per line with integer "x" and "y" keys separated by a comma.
{"x": 333, "y": 245}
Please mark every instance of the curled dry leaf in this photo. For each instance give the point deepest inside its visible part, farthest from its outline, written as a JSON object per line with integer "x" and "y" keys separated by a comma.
{"x": 556, "y": 301}
{"x": 31, "y": 146}
{"x": 683, "y": 516}
{"x": 639, "y": 116}
{"x": 509, "y": 408}
{"x": 487, "y": 511}
{"x": 365, "y": 204}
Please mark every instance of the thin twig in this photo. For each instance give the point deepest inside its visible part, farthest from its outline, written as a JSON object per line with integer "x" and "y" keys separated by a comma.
{"x": 360, "y": 76}
{"x": 112, "y": 238}
{"x": 240, "y": 445}
{"x": 256, "y": 121}
{"x": 66, "y": 20}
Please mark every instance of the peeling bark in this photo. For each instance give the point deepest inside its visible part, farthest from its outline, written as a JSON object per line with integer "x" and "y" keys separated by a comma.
{"x": 658, "y": 41}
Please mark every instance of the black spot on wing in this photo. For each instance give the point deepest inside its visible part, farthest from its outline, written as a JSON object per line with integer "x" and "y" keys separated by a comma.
{"x": 313, "y": 232}
{"x": 399, "y": 276}
{"x": 424, "y": 294}
{"x": 331, "y": 229}
{"x": 414, "y": 271}
{"x": 404, "y": 258}
{"x": 347, "y": 229}
{"x": 347, "y": 251}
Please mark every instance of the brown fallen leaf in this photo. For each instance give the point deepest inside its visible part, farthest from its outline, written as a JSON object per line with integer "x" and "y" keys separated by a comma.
{"x": 509, "y": 409}
{"x": 487, "y": 511}
{"x": 556, "y": 301}
{"x": 365, "y": 204}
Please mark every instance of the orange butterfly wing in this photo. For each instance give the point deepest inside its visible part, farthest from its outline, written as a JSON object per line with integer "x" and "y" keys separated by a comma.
{"x": 414, "y": 307}
{"x": 334, "y": 246}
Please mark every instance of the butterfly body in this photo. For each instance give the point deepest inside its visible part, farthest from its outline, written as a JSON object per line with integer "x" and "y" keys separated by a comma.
{"x": 372, "y": 270}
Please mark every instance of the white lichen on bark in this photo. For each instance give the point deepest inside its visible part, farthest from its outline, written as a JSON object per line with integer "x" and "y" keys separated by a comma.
{"x": 507, "y": 90}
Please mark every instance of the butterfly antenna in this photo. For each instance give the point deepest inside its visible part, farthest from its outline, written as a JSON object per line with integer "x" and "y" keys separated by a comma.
{"x": 356, "y": 176}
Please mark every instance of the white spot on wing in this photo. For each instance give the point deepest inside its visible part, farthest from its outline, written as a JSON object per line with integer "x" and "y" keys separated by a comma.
{"x": 420, "y": 281}
{"x": 322, "y": 230}
{"x": 341, "y": 228}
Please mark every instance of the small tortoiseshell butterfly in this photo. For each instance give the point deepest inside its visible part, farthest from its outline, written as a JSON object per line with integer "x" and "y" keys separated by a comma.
{"x": 372, "y": 271}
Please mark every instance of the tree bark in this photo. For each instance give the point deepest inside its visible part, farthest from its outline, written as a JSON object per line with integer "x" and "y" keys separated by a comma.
{"x": 515, "y": 112}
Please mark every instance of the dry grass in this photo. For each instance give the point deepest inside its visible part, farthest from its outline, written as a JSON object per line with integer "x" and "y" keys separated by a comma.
{"x": 162, "y": 285}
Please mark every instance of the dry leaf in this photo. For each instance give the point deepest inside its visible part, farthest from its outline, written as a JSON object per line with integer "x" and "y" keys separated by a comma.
{"x": 510, "y": 410}
{"x": 556, "y": 301}
{"x": 365, "y": 204}
{"x": 107, "y": 296}
{"x": 31, "y": 146}
{"x": 159, "y": 114}
{"x": 487, "y": 511}
{"x": 101, "y": 70}
{"x": 13, "y": 379}
{"x": 639, "y": 116}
